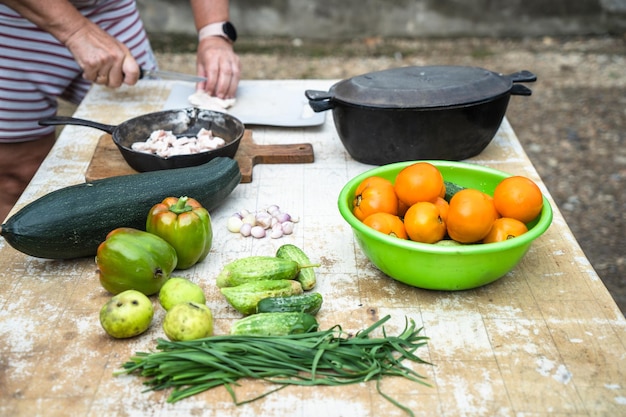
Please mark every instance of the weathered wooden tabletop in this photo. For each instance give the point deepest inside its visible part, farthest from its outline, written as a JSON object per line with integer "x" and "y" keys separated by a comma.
{"x": 546, "y": 339}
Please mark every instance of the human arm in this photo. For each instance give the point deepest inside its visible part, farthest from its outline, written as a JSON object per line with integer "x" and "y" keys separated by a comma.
{"x": 216, "y": 59}
{"x": 102, "y": 58}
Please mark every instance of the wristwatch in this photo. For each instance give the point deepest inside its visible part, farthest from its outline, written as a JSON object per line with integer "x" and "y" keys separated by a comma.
{"x": 225, "y": 30}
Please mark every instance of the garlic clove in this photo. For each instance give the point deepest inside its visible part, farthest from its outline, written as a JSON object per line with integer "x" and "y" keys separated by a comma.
{"x": 277, "y": 232}
{"x": 234, "y": 224}
{"x": 264, "y": 220}
{"x": 246, "y": 229}
{"x": 257, "y": 232}
{"x": 282, "y": 217}
{"x": 287, "y": 228}
{"x": 250, "y": 219}
{"x": 272, "y": 209}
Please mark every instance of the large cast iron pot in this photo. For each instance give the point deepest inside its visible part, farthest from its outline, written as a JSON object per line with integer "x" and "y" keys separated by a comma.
{"x": 411, "y": 113}
{"x": 183, "y": 122}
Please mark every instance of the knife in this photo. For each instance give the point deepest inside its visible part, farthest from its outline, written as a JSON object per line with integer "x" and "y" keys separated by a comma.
{"x": 169, "y": 75}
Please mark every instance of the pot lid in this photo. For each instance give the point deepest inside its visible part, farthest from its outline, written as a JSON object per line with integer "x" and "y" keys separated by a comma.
{"x": 417, "y": 87}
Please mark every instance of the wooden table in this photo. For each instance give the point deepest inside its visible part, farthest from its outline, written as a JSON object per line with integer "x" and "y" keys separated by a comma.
{"x": 547, "y": 339}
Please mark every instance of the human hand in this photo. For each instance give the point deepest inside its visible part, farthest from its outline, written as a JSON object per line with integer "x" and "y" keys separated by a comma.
{"x": 103, "y": 59}
{"x": 218, "y": 63}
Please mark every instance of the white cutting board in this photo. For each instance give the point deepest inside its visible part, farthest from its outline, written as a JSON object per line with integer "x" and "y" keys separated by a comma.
{"x": 268, "y": 103}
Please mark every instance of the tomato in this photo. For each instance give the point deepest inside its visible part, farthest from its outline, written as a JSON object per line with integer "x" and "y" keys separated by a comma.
{"x": 386, "y": 223}
{"x": 470, "y": 215}
{"x": 420, "y": 181}
{"x": 402, "y": 208}
{"x": 423, "y": 223}
{"x": 374, "y": 195}
{"x": 444, "y": 208}
{"x": 519, "y": 198}
{"x": 131, "y": 259}
{"x": 505, "y": 228}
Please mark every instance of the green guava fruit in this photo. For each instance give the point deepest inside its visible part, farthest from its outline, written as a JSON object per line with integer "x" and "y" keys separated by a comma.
{"x": 178, "y": 290}
{"x": 188, "y": 321}
{"x": 127, "y": 314}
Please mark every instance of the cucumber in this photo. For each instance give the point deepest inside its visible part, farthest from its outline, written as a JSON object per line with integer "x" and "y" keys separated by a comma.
{"x": 451, "y": 189}
{"x": 306, "y": 276}
{"x": 274, "y": 324}
{"x": 71, "y": 222}
{"x": 256, "y": 268}
{"x": 310, "y": 303}
{"x": 245, "y": 297}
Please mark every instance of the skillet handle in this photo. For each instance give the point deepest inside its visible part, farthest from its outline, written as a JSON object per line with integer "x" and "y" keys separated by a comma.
{"x": 319, "y": 100}
{"x": 63, "y": 120}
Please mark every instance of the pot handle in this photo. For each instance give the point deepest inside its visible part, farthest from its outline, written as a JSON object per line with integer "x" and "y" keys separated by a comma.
{"x": 319, "y": 100}
{"x": 64, "y": 120}
{"x": 523, "y": 76}
{"x": 520, "y": 90}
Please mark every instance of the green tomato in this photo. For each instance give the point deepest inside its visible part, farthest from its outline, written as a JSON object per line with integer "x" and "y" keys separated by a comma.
{"x": 127, "y": 314}
{"x": 134, "y": 259}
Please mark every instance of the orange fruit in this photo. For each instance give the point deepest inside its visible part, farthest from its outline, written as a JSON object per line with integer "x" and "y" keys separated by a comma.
{"x": 374, "y": 195}
{"x": 420, "y": 181}
{"x": 442, "y": 193}
{"x": 423, "y": 223}
{"x": 519, "y": 198}
{"x": 444, "y": 208}
{"x": 386, "y": 223}
{"x": 505, "y": 228}
{"x": 470, "y": 215}
{"x": 402, "y": 208}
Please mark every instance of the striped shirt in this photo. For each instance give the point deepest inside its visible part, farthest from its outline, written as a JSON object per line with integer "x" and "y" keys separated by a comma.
{"x": 35, "y": 68}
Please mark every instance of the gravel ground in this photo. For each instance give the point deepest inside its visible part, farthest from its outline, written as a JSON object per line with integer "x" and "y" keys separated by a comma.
{"x": 573, "y": 127}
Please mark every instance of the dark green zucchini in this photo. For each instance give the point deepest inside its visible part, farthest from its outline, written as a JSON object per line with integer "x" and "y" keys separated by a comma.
{"x": 451, "y": 189}
{"x": 71, "y": 222}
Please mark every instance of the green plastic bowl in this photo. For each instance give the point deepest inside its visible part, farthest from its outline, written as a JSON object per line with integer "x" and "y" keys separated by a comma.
{"x": 435, "y": 266}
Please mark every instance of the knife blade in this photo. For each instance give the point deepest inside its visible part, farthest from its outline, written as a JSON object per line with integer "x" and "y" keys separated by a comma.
{"x": 169, "y": 75}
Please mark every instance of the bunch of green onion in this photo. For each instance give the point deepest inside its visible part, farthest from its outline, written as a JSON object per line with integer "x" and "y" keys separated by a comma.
{"x": 329, "y": 357}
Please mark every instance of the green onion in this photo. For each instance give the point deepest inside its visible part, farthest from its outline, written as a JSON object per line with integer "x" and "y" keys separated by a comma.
{"x": 330, "y": 357}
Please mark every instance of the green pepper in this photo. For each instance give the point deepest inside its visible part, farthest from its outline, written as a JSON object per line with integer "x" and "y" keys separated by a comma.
{"x": 185, "y": 225}
{"x": 133, "y": 259}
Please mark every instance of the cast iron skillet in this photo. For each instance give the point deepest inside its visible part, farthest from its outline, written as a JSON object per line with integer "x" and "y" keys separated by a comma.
{"x": 411, "y": 113}
{"x": 182, "y": 122}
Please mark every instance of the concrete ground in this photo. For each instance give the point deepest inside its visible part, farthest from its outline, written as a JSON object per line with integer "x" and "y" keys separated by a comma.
{"x": 573, "y": 127}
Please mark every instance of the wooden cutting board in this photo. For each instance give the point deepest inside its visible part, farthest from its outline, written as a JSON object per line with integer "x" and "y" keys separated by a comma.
{"x": 107, "y": 161}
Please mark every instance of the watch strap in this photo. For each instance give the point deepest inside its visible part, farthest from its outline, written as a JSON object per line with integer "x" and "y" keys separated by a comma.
{"x": 216, "y": 29}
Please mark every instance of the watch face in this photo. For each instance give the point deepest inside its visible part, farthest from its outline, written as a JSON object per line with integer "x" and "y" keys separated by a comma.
{"x": 230, "y": 31}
